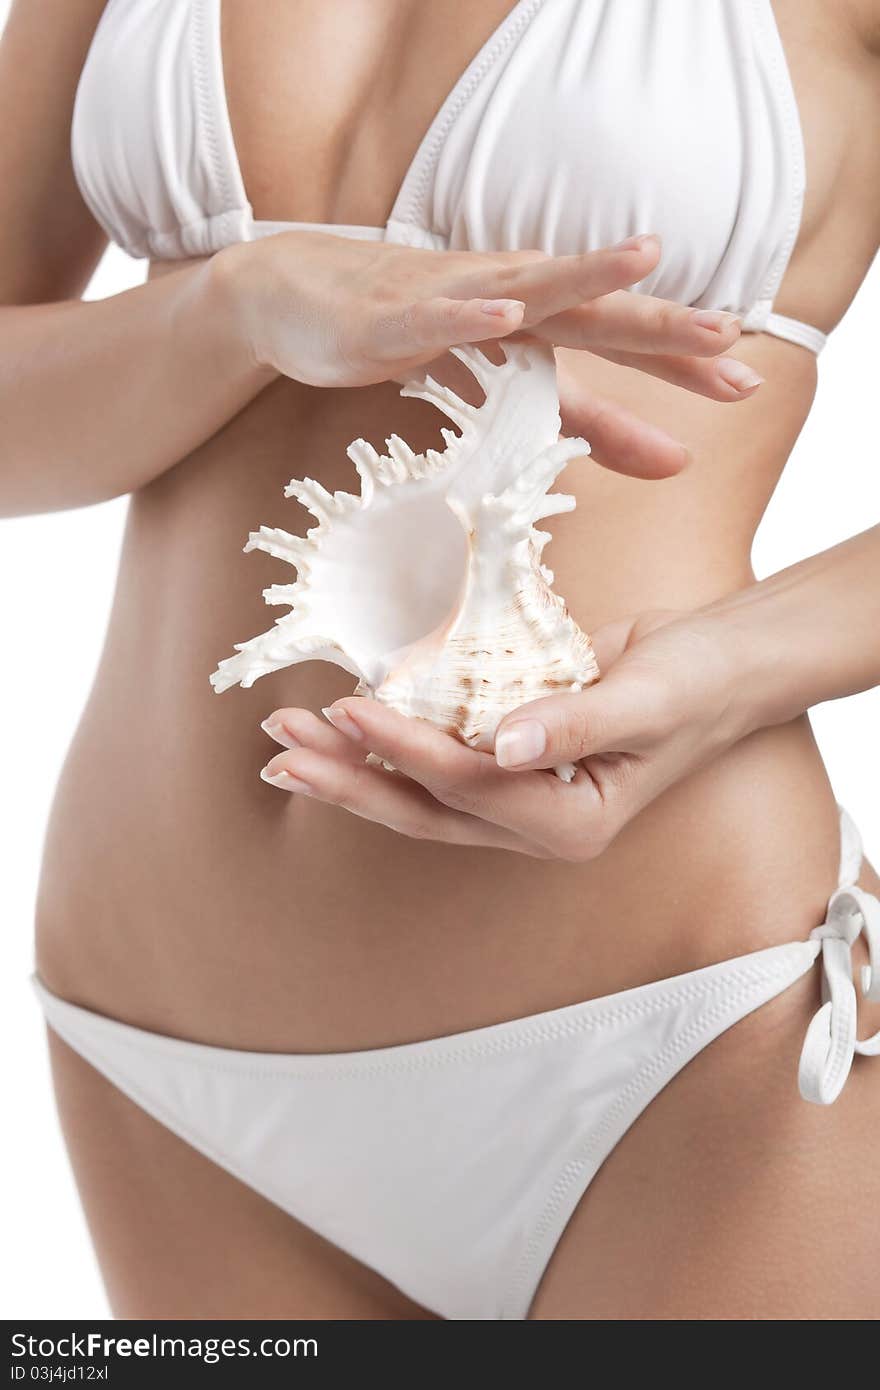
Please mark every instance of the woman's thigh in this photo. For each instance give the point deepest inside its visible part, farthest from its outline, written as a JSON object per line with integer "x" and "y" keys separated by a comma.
{"x": 731, "y": 1197}
{"x": 177, "y": 1237}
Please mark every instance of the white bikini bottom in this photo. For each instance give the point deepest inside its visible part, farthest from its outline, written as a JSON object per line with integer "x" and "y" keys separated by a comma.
{"x": 452, "y": 1166}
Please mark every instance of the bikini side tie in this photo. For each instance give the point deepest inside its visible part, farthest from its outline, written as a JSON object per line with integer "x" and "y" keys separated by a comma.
{"x": 831, "y": 1041}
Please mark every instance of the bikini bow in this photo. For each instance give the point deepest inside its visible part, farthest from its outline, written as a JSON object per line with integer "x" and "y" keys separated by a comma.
{"x": 831, "y": 1041}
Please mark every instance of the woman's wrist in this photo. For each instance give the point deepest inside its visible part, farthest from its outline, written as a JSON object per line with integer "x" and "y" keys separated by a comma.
{"x": 234, "y": 288}
{"x": 766, "y": 683}
{"x": 805, "y": 635}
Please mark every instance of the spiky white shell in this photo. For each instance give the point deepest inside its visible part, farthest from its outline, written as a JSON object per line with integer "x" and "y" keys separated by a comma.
{"x": 428, "y": 584}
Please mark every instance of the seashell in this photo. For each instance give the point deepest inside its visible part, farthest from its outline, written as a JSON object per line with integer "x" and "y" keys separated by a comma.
{"x": 428, "y": 585}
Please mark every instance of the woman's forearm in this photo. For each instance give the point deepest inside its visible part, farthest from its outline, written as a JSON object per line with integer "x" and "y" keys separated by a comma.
{"x": 807, "y": 634}
{"x": 99, "y": 398}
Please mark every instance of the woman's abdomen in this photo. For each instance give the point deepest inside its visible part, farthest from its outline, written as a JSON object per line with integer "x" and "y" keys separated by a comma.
{"x": 183, "y": 894}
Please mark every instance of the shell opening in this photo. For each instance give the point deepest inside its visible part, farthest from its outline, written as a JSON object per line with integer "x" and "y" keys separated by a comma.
{"x": 428, "y": 585}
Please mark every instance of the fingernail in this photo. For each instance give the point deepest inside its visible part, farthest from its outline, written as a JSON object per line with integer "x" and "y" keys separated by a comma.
{"x": 637, "y": 243}
{"x": 281, "y": 735}
{"x": 737, "y": 374}
{"x": 716, "y": 319}
{"x": 286, "y": 781}
{"x": 500, "y": 308}
{"x": 520, "y": 743}
{"x": 343, "y": 723}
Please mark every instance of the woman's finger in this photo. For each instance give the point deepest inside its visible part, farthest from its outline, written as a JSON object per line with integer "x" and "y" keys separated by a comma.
{"x": 622, "y": 713}
{"x": 385, "y": 798}
{"x": 637, "y": 323}
{"x": 721, "y": 379}
{"x": 619, "y": 440}
{"x": 414, "y": 746}
{"x": 299, "y": 728}
{"x": 549, "y": 285}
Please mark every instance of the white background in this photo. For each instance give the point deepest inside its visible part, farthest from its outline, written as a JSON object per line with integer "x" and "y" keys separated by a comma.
{"x": 61, "y": 568}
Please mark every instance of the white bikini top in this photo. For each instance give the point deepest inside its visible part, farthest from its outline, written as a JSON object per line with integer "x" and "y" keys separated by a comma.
{"x": 579, "y": 123}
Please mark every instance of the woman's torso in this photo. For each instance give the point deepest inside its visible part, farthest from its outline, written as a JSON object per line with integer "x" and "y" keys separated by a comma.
{"x": 182, "y": 893}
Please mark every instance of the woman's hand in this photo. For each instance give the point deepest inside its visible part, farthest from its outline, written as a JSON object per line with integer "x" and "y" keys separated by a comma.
{"x": 668, "y": 702}
{"x": 334, "y": 311}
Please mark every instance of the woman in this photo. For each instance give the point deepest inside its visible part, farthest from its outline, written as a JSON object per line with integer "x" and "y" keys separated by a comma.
{"x": 329, "y": 197}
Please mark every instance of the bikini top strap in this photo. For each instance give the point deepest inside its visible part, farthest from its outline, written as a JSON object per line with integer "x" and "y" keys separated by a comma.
{"x": 796, "y": 331}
